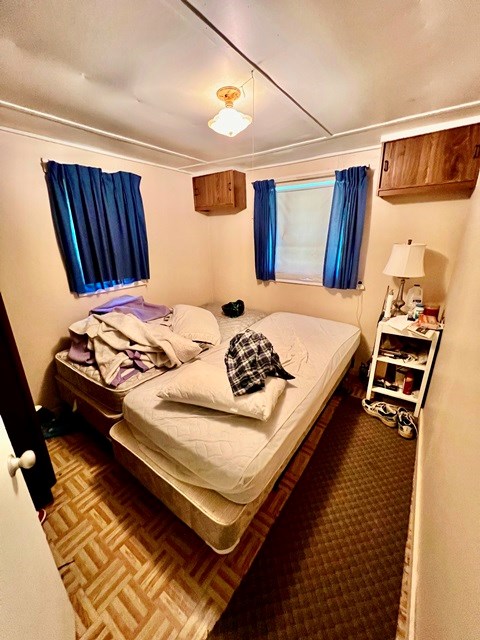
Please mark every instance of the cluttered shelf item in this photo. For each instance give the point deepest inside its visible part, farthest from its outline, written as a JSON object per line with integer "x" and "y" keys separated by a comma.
{"x": 425, "y": 325}
{"x": 404, "y": 357}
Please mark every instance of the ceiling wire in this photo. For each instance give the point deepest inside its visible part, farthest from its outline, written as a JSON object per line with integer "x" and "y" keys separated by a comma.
{"x": 253, "y": 122}
{"x": 246, "y": 82}
{"x": 209, "y": 24}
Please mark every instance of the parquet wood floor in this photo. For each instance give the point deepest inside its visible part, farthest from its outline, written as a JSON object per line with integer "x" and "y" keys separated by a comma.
{"x": 132, "y": 569}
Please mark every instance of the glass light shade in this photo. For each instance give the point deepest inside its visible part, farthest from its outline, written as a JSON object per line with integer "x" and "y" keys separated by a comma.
{"x": 406, "y": 261}
{"x": 229, "y": 122}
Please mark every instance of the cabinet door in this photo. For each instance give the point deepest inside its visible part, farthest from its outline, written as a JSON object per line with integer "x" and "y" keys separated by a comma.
{"x": 224, "y": 192}
{"x": 445, "y": 160}
{"x": 454, "y": 154}
{"x": 202, "y": 192}
{"x": 405, "y": 162}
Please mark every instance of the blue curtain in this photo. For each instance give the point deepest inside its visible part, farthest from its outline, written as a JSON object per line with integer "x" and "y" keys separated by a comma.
{"x": 100, "y": 226}
{"x": 265, "y": 228}
{"x": 342, "y": 253}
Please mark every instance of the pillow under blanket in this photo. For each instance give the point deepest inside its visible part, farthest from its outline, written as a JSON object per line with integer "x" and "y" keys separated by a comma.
{"x": 205, "y": 385}
{"x": 195, "y": 323}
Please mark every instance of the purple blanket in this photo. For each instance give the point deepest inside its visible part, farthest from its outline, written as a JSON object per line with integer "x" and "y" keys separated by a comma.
{"x": 137, "y": 306}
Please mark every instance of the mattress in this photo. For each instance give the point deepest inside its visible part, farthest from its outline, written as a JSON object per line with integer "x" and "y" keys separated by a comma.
{"x": 236, "y": 456}
{"x": 87, "y": 381}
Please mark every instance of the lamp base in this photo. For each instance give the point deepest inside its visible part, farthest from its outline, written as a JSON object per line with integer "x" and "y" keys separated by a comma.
{"x": 399, "y": 302}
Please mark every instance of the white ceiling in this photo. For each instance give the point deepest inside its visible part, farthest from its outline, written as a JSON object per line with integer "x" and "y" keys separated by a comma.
{"x": 140, "y": 78}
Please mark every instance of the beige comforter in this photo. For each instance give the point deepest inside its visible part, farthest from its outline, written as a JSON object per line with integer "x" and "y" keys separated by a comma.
{"x": 112, "y": 335}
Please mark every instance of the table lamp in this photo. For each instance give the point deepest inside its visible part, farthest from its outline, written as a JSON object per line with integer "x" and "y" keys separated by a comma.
{"x": 406, "y": 261}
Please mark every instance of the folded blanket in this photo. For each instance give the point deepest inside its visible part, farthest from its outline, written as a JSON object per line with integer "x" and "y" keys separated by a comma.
{"x": 135, "y": 305}
{"x": 113, "y": 338}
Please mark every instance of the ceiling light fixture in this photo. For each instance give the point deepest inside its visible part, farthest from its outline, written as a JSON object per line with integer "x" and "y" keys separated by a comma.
{"x": 228, "y": 120}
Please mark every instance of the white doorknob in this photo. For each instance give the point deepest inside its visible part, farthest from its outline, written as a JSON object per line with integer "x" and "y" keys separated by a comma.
{"x": 26, "y": 461}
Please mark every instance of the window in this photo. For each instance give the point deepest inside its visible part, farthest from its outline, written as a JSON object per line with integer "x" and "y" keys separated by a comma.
{"x": 100, "y": 226}
{"x": 303, "y": 214}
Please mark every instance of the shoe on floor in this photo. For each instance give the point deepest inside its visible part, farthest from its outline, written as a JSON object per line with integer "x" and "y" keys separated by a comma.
{"x": 406, "y": 424}
{"x": 387, "y": 413}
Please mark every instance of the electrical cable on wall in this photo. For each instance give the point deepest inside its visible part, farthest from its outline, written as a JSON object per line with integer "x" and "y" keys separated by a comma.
{"x": 359, "y": 310}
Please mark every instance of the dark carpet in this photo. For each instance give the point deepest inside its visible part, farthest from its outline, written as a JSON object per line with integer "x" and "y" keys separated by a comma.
{"x": 331, "y": 566}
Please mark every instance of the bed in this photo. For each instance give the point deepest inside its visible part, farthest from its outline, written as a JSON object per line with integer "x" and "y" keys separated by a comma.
{"x": 214, "y": 468}
{"x": 81, "y": 386}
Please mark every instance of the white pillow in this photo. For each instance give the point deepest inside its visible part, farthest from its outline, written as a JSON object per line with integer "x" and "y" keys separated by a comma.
{"x": 205, "y": 385}
{"x": 196, "y": 324}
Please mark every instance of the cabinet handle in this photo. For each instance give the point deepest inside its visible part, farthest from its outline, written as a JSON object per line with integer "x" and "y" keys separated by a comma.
{"x": 476, "y": 153}
{"x": 385, "y": 165}
{"x": 229, "y": 186}
{"x": 195, "y": 192}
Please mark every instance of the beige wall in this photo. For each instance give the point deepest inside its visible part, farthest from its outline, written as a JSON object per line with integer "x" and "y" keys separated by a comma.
{"x": 448, "y": 544}
{"x": 32, "y": 277}
{"x": 438, "y": 223}
{"x": 193, "y": 258}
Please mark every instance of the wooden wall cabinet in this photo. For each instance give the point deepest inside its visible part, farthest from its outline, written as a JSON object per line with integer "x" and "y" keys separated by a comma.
{"x": 439, "y": 162}
{"x": 222, "y": 192}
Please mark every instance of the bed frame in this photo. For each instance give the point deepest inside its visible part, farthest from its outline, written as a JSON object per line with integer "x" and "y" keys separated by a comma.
{"x": 218, "y": 521}
{"x": 99, "y": 416}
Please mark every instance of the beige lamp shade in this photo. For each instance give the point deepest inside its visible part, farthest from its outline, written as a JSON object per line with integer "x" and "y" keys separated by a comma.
{"x": 406, "y": 261}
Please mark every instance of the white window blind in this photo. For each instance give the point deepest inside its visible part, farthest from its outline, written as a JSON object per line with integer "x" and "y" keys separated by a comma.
{"x": 303, "y": 213}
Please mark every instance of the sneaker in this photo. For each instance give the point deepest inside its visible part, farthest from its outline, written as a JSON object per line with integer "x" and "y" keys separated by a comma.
{"x": 406, "y": 424}
{"x": 387, "y": 413}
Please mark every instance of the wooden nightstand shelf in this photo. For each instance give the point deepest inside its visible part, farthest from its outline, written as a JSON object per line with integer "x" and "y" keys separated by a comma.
{"x": 398, "y": 352}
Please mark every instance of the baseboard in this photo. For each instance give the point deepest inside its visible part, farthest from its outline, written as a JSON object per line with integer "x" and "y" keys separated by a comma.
{"x": 416, "y": 499}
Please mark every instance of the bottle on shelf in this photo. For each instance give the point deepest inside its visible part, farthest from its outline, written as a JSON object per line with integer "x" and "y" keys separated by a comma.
{"x": 388, "y": 305}
{"x": 414, "y": 298}
{"x": 408, "y": 383}
{"x": 417, "y": 311}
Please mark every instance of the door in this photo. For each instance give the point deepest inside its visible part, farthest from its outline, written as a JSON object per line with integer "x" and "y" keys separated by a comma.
{"x": 19, "y": 415}
{"x": 33, "y": 600}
